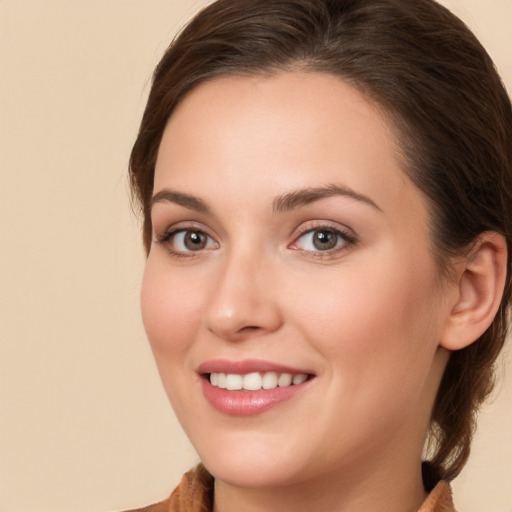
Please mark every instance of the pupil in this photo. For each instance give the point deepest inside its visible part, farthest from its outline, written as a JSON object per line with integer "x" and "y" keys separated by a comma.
{"x": 325, "y": 240}
{"x": 195, "y": 240}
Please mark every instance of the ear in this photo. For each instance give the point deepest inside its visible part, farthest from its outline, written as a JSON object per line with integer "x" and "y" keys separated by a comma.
{"x": 479, "y": 287}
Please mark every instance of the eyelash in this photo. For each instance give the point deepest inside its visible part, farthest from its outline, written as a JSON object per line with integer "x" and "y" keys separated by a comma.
{"x": 348, "y": 240}
{"x": 168, "y": 235}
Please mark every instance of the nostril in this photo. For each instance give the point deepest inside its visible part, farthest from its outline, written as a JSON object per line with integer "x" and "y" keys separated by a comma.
{"x": 241, "y": 315}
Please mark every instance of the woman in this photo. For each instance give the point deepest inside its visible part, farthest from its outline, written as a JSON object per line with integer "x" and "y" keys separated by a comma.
{"x": 325, "y": 188}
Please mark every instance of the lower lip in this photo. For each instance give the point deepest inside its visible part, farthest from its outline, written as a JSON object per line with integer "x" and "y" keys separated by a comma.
{"x": 248, "y": 403}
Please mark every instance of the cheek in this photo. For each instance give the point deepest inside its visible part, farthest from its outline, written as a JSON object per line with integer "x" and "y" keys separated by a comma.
{"x": 375, "y": 330}
{"x": 170, "y": 310}
{"x": 171, "y": 307}
{"x": 373, "y": 318}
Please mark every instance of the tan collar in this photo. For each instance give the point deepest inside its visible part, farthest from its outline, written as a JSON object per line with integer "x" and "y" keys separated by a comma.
{"x": 439, "y": 500}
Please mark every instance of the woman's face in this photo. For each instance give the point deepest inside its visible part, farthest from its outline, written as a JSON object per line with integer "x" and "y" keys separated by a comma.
{"x": 290, "y": 246}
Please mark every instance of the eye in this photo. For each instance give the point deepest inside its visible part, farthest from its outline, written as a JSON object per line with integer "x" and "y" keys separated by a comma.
{"x": 322, "y": 239}
{"x": 187, "y": 240}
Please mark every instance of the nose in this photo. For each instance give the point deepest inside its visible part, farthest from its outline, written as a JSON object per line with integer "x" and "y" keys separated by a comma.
{"x": 244, "y": 301}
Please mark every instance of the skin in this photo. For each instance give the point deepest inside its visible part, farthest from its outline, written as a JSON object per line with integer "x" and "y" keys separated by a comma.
{"x": 366, "y": 318}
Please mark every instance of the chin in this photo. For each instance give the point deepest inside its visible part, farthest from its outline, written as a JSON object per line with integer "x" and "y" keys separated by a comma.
{"x": 249, "y": 473}
{"x": 251, "y": 463}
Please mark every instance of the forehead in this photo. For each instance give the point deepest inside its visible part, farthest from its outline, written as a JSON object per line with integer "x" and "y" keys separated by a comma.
{"x": 296, "y": 103}
{"x": 295, "y": 129}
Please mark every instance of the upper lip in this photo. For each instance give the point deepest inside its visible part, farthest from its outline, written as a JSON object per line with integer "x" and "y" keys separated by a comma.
{"x": 246, "y": 366}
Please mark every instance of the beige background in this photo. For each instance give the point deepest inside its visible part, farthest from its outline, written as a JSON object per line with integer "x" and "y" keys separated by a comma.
{"x": 84, "y": 423}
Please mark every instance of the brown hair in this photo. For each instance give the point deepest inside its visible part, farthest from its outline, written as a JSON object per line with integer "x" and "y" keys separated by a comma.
{"x": 452, "y": 114}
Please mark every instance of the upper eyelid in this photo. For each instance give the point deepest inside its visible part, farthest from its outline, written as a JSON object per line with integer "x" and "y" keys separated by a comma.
{"x": 309, "y": 226}
{"x": 183, "y": 226}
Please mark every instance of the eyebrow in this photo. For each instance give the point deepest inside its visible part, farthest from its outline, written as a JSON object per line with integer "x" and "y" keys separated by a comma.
{"x": 305, "y": 196}
{"x": 181, "y": 199}
{"x": 282, "y": 203}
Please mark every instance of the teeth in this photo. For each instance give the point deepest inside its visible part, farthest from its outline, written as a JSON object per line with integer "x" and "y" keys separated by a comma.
{"x": 285, "y": 379}
{"x": 256, "y": 380}
{"x": 221, "y": 380}
{"x": 233, "y": 382}
{"x": 252, "y": 381}
{"x": 270, "y": 380}
{"x": 299, "y": 378}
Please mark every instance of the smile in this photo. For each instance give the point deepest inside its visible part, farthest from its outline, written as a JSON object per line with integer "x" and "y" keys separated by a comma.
{"x": 251, "y": 387}
{"x": 255, "y": 381}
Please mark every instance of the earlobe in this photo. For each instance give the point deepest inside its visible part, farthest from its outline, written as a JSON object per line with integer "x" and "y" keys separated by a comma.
{"x": 480, "y": 285}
